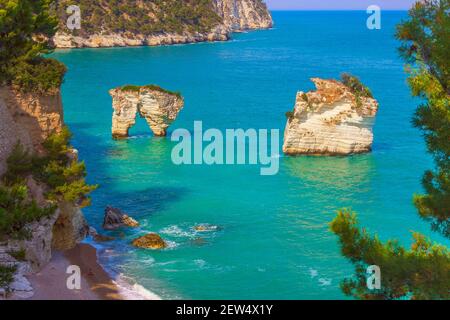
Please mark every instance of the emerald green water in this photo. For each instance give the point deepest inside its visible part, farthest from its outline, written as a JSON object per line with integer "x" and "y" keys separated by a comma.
{"x": 274, "y": 242}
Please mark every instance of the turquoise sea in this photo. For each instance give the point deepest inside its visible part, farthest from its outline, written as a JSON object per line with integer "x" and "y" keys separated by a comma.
{"x": 274, "y": 242}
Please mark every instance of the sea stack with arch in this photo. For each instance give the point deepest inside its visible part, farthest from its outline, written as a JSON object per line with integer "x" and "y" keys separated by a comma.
{"x": 159, "y": 107}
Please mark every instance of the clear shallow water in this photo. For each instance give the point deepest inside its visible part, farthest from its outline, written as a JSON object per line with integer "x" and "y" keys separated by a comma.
{"x": 275, "y": 242}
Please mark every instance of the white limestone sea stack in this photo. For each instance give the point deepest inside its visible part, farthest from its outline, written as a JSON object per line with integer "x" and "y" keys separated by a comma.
{"x": 158, "y": 106}
{"x": 333, "y": 120}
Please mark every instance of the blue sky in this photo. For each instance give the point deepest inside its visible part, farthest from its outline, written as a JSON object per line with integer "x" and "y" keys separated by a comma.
{"x": 337, "y": 4}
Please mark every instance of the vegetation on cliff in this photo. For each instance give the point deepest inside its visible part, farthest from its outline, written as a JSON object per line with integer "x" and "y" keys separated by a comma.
{"x": 17, "y": 210}
{"x": 141, "y": 17}
{"x": 58, "y": 169}
{"x": 25, "y": 26}
{"x": 356, "y": 87}
{"x": 6, "y": 275}
{"x": 423, "y": 272}
{"x": 155, "y": 87}
{"x": 62, "y": 175}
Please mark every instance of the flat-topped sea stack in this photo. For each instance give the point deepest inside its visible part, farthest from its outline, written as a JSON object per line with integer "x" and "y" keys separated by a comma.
{"x": 336, "y": 119}
{"x": 158, "y": 106}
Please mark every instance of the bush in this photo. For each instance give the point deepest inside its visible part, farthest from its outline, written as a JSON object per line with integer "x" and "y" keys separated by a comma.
{"x": 6, "y": 276}
{"x": 26, "y": 26}
{"x": 290, "y": 115}
{"x": 355, "y": 85}
{"x": 19, "y": 255}
{"x": 19, "y": 165}
{"x": 155, "y": 87}
{"x": 38, "y": 75}
{"x": 64, "y": 177}
{"x": 16, "y": 210}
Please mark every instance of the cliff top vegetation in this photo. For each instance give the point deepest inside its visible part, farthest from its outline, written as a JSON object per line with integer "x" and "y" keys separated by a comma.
{"x": 141, "y": 17}
{"x": 155, "y": 87}
{"x": 26, "y": 26}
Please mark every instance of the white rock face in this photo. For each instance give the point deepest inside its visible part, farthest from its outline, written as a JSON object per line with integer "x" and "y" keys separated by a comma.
{"x": 159, "y": 108}
{"x": 64, "y": 40}
{"x": 38, "y": 248}
{"x": 330, "y": 121}
{"x": 241, "y": 15}
{"x": 20, "y": 287}
{"x": 27, "y": 117}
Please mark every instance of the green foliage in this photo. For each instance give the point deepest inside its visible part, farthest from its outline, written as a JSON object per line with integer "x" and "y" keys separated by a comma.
{"x": 356, "y": 87}
{"x": 141, "y": 17}
{"x": 16, "y": 210}
{"x": 433, "y": 117}
{"x": 425, "y": 38}
{"x": 19, "y": 255}
{"x": 423, "y": 271}
{"x": 290, "y": 115}
{"x": 19, "y": 165}
{"x": 63, "y": 175}
{"x": 131, "y": 88}
{"x": 38, "y": 75}
{"x": 305, "y": 97}
{"x": 426, "y": 44}
{"x": 25, "y": 27}
{"x": 155, "y": 87}
{"x": 58, "y": 146}
{"x": 419, "y": 273}
{"x": 6, "y": 276}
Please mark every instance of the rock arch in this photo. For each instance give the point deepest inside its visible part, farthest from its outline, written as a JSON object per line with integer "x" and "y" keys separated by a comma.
{"x": 157, "y": 106}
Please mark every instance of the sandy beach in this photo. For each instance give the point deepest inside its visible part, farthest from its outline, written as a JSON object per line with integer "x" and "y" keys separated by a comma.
{"x": 96, "y": 283}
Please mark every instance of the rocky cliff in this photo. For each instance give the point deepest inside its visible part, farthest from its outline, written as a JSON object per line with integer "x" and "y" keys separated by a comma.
{"x": 159, "y": 107}
{"x": 30, "y": 118}
{"x": 107, "y": 23}
{"x": 241, "y": 15}
{"x": 333, "y": 120}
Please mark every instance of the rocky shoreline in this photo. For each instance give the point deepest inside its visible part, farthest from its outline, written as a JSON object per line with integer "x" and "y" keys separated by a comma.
{"x": 234, "y": 16}
{"x": 67, "y": 41}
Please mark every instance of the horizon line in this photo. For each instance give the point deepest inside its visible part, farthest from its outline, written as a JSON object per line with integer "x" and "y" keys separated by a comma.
{"x": 364, "y": 10}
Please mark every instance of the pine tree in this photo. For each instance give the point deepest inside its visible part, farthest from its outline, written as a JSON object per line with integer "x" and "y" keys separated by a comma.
{"x": 25, "y": 29}
{"x": 422, "y": 272}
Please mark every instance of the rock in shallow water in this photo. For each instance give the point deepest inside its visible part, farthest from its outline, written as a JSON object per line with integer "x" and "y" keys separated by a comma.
{"x": 206, "y": 228}
{"x": 150, "y": 241}
{"x": 115, "y": 218}
{"x": 99, "y": 237}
